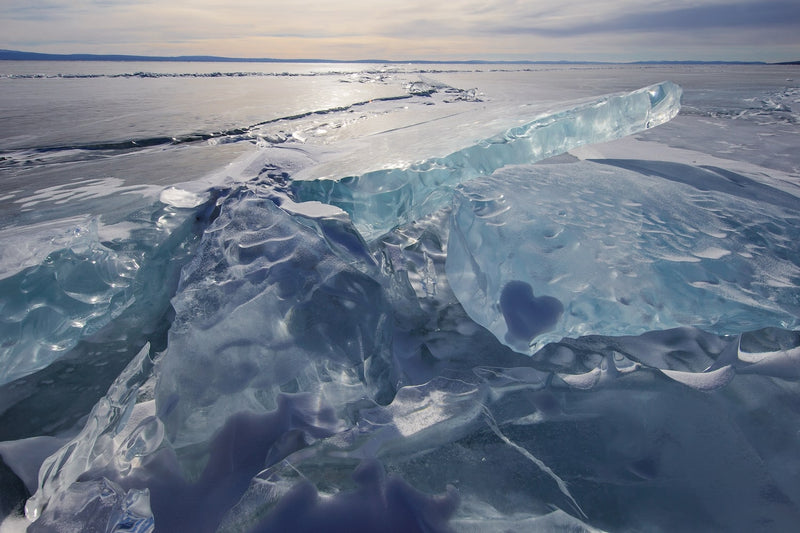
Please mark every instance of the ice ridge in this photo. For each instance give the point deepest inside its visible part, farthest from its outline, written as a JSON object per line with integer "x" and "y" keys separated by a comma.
{"x": 380, "y": 200}
{"x": 299, "y": 367}
{"x": 312, "y": 381}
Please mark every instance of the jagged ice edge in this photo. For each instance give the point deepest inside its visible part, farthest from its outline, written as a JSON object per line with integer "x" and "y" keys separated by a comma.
{"x": 381, "y": 200}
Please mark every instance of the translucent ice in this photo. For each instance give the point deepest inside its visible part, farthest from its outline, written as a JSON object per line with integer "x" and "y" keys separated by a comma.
{"x": 47, "y": 308}
{"x": 380, "y": 200}
{"x": 542, "y": 252}
{"x": 311, "y": 381}
{"x": 79, "y": 282}
{"x": 94, "y": 446}
{"x": 270, "y": 303}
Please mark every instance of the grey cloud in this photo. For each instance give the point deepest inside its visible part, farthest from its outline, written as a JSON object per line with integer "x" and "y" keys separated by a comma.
{"x": 754, "y": 14}
{"x": 43, "y": 11}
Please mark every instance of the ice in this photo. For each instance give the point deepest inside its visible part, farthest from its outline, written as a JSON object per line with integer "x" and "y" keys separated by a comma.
{"x": 181, "y": 198}
{"x": 29, "y": 246}
{"x": 93, "y": 447}
{"x": 27, "y": 455}
{"x": 305, "y": 379}
{"x": 74, "y": 292}
{"x": 379, "y": 200}
{"x": 538, "y": 253}
{"x": 378, "y": 503}
{"x": 515, "y": 438}
{"x": 97, "y": 502}
{"x": 703, "y": 381}
{"x": 271, "y": 302}
{"x": 82, "y": 278}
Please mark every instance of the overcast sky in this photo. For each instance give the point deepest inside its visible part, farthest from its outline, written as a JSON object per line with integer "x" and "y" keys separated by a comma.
{"x": 610, "y": 30}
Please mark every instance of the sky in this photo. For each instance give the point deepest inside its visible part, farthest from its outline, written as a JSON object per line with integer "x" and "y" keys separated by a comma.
{"x": 575, "y": 30}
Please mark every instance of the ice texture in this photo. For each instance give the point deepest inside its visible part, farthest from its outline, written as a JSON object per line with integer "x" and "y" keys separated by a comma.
{"x": 380, "y": 200}
{"x": 47, "y": 308}
{"x": 379, "y": 398}
{"x": 537, "y": 253}
{"x": 94, "y": 446}
{"x": 271, "y": 302}
{"x": 79, "y": 282}
{"x": 313, "y": 381}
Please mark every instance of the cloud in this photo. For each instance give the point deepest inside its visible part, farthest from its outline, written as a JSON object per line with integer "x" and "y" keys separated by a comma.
{"x": 411, "y": 29}
{"x": 32, "y": 11}
{"x": 759, "y": 15}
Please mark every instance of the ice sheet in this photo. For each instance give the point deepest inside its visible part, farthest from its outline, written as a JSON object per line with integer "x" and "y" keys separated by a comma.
{"x": 308, "y": 378}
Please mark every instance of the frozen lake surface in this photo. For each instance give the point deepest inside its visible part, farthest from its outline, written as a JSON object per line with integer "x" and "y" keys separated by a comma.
{"x": 352, "y": 297}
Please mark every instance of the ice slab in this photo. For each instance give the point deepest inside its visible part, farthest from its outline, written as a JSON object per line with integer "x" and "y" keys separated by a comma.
{"x": 537, "y": 253}
{"x": 72, "y": 293}
{"x": 85, "y": 276}
{"x": 271, "y": 302}
{"x": 379, "y": 200}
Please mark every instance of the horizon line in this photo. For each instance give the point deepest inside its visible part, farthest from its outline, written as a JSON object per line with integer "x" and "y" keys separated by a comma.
{"x": 18, "y": 55}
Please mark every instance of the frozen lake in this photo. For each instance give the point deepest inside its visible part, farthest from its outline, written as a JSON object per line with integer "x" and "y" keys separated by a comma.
{"x": 286, "y": 297}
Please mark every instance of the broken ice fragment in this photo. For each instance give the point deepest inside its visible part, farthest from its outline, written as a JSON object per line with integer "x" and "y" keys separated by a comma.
{"x": 610, "y": 245}
{"x": 182, "y": 198}
{"x": 381, "y": 200}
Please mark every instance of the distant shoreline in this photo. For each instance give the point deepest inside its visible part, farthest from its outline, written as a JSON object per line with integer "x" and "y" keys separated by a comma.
{"x": 14, "y": 55}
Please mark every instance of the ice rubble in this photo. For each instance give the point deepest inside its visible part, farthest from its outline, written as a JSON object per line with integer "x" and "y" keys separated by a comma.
{"x": 311, "y": 378}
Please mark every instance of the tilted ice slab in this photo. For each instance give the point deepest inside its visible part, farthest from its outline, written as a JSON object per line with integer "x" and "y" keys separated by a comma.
{"x": 380, "y": 200}
{"x": 49, "y": 307}
{"x": 77, "y": 279}
{"x": 538, "y": 253}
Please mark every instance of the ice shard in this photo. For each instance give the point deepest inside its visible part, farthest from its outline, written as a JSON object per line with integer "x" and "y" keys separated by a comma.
{"x": 268, "y": 305}
{"x": 383, "y": 199}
